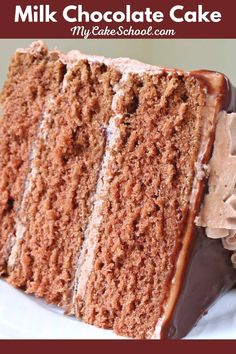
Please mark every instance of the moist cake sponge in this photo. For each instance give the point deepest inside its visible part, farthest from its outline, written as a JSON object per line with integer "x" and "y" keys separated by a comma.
{"x": 33, "y": 75}
{"x": 104, "y": 169}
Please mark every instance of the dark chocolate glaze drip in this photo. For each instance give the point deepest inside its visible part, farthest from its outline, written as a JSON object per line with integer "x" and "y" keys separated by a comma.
{"x": 230, "y": 97}
{"x": 226, "y": 92}
{"x": 209, "y": 272}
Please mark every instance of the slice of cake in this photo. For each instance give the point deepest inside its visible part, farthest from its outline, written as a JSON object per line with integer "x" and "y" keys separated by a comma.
{"x": 105, "y": 206}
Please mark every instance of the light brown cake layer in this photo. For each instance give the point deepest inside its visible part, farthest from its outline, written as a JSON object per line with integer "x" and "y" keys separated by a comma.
{"x": 32, "y": 75}
{"x": 151, "y": 176}
{"x": 64, "y": 173}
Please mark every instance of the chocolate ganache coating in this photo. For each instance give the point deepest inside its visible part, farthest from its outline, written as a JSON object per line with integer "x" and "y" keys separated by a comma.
{"x": 208, "y": 269}
{"x": 209, "y": 275}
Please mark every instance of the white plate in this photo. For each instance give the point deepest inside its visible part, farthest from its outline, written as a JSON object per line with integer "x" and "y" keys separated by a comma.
{"x": 25, "y": 317}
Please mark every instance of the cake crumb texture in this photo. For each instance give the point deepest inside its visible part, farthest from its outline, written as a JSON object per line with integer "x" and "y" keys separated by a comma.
{"x": 69, "y": 150}
{"x": 146, "y": 207}
{"x": 31, "y": 76}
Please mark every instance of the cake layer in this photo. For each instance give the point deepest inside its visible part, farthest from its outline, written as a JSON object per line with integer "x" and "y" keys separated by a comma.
{"x": 32, "y": 75}
{"x": 145, "y": 206}
{"x": 64, "y": 171}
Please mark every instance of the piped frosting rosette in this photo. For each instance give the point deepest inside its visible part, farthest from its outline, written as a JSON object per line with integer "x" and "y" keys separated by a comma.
{"x": 218, "y": 212}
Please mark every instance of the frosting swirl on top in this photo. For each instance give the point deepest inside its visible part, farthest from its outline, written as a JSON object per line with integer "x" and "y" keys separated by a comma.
{"x": 218, "y": 212}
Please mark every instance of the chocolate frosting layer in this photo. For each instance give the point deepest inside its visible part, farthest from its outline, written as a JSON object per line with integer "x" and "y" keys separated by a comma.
{"x": 209, "y": 275}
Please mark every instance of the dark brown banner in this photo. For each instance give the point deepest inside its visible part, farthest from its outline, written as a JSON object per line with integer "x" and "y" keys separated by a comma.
{"x": 118, "y": 347}
{"x": 117, "y": 19}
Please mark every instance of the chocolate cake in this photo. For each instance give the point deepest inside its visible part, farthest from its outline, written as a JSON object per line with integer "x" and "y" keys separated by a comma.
{"x": 117, "y": 189}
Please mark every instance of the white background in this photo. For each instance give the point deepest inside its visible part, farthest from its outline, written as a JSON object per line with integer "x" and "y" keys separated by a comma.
{"x": 25, "y": 317}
